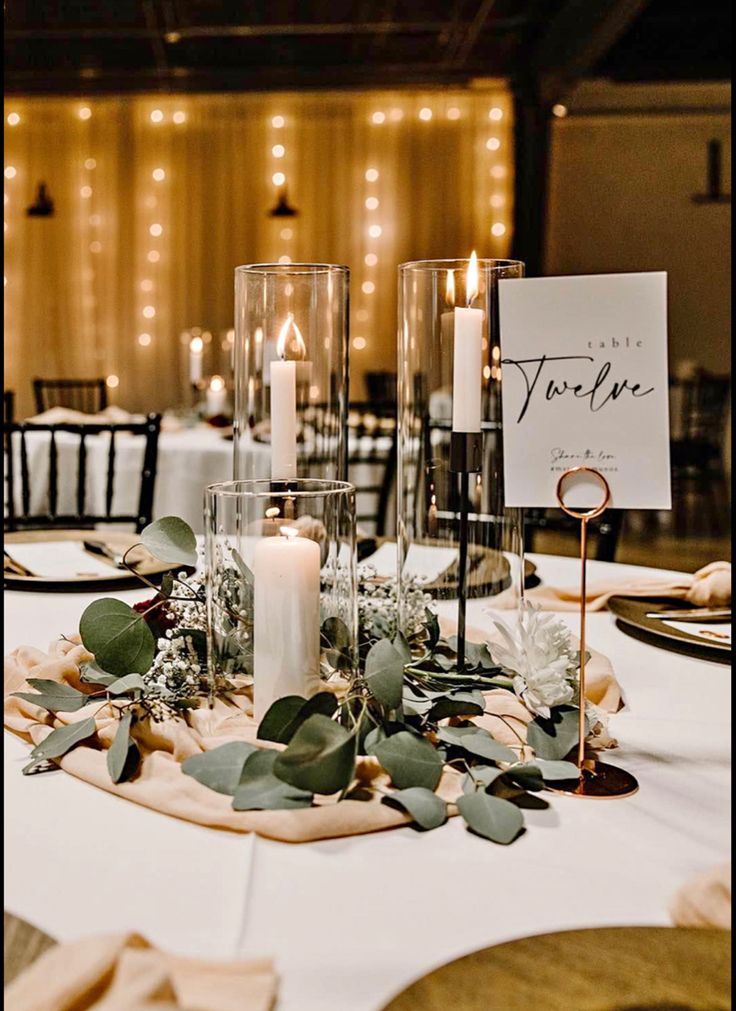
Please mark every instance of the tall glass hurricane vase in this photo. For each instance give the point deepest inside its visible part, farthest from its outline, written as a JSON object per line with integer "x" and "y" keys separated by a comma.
{"x": 281, "y": 586}
{"x": 291, "y": 371}
{"x": 455, "y": 534}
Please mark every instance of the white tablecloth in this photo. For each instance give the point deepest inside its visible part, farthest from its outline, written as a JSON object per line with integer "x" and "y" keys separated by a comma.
{"x": 188, "y": 460}
{"x": 350, "y": 922}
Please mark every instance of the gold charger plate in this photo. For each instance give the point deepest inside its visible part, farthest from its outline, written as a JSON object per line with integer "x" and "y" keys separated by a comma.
{"x": 633, "y": 611}
{"x": 606, "y": 969}
{"x": 489, "y": 571}
{"x": 118, "y": 541}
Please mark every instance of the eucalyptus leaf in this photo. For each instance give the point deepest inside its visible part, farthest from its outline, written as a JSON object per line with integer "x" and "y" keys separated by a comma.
{"x": 171, "y": 540}
{"x": 527, "y": 775}
{"x": 127, "y": 683}
{"x": 483, "y": 776}
{"x": 123, "y": 756}
{"x": 425, "y": 807}
{"x": 432, "y": 628}
{"x": 554, "y": 738}
{"x": 458, "y": 704}
{"x": 495, "y": 819}
{"x": 335, "y": 633}
{"x": 402, "y": 647}
{"x": 62, "y": 739}
{"x": 92, "y": 674}
{"x": 260, "y": 790}
{"x": 118, "y": 636}
{"x": 245, "y": 572}
{"x": 221, "y": 768}
{"x": 54, "y": 696}
{"x": 476, "y": 654}
{"x": 284, "y": 717}
{"x": 553, "y": 771}
{"x": 476, "y": 741}
{"x": 320, "y": 757}
{"x": 384, "y": 673}
{"x": 409, "y": 760}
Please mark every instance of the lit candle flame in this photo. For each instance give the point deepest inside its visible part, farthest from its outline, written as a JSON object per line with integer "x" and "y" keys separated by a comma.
{"x": 471, "y": 281}
{"x": 217, "y": 383}
{"x": 289, "y": 532}
{"x": 272, "y": 513}
{"x": 290, "y": 345}
{"x": 196, "y": 345}
{"x": 450, "y": 288}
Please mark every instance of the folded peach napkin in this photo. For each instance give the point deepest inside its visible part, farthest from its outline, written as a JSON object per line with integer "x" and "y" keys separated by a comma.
{"x": 123, "y": 972}
{"x": 704, "y": 901}
{"x": 161, "y": 785}
{"x": 708, "y": 587}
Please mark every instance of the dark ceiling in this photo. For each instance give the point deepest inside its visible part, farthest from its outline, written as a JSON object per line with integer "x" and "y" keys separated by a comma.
{"x": 75, "y": 46}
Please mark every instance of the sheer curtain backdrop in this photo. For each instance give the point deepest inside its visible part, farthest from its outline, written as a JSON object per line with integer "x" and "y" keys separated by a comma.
{"x": 158, "y": 198}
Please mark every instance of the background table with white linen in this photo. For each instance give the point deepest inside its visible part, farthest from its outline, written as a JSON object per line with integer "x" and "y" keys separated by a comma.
{"x": 188, "y": 460}
{"x": 350, "y": 922}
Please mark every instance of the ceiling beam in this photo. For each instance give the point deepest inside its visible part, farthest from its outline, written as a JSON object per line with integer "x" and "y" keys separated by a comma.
{"x": 465, "y": 45}
{"x": 575, "y": 41}
{"x": 253, "y": 31}
{"x": 89, "y": 81}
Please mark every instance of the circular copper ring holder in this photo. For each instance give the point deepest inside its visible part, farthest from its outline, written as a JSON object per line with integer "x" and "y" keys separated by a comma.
{"x": 596, "y": 779}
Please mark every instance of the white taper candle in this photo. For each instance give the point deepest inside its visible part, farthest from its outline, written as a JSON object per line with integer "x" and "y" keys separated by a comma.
{"x": 468, "y": 359}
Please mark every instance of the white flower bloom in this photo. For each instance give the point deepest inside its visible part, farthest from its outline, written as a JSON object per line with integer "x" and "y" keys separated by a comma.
{"x": 538, "y": 656}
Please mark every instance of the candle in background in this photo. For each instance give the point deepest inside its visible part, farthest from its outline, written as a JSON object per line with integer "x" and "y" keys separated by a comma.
{"x": 447, "y": 319}
{"x": 291, "y": 352}
{"x": 196, "y": 348}
{"x": 216, "y": 397}
{"x": 468, "y": 358}
{"x": 286, "y": 626}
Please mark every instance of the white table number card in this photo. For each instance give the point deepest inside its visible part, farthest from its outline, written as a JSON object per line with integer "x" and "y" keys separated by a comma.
{"x": 584, "y": 366}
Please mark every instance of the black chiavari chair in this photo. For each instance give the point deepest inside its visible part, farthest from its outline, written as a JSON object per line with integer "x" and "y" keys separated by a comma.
{"x": 89, "y": 396}
{"x": 18, "y": 510}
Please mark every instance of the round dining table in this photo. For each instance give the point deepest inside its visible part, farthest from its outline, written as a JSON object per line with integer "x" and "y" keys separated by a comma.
{"x": 351, "y": 922}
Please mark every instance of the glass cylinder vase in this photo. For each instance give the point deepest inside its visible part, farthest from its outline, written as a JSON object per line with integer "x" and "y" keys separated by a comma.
{"x": 281, "y": 585}
{"x": 291, "y": 371}
{"x": 453, "y": 528}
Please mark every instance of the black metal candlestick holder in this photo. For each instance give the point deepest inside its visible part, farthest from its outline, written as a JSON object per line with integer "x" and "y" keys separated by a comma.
{"x": 466, "y": 458}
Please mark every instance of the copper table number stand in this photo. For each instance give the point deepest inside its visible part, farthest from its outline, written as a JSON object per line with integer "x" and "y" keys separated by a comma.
{"x": 597, "y": 779}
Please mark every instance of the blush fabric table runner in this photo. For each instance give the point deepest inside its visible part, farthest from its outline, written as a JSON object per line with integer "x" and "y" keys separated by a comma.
{"x": 351, "y": 922}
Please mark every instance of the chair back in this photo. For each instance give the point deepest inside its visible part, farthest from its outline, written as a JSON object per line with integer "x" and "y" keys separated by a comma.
{"x": 86, "y": 395}
{"x": 372, "y": 451}
{"x": 704, "y": 405}
{"x": 19, "y": 513}
{"x": 381, "y": 387}
{"x": 8, "y": 405}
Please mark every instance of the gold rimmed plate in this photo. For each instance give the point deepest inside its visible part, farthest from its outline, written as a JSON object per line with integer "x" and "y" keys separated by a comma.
{"x": 634, "y": 615}
{"x": 600, "y": 969}
{"x": 72, "y": 568}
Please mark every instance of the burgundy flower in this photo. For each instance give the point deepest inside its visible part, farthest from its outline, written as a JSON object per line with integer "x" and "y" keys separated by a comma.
{"x": 160, "y": 618}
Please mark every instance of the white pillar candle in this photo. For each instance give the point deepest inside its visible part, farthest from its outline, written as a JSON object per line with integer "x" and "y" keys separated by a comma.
{"x": 196, "y": 347}
{"x": 216, "y": 397}
{"x": 468, "y": 360}
{"x": 286, "y": 627}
